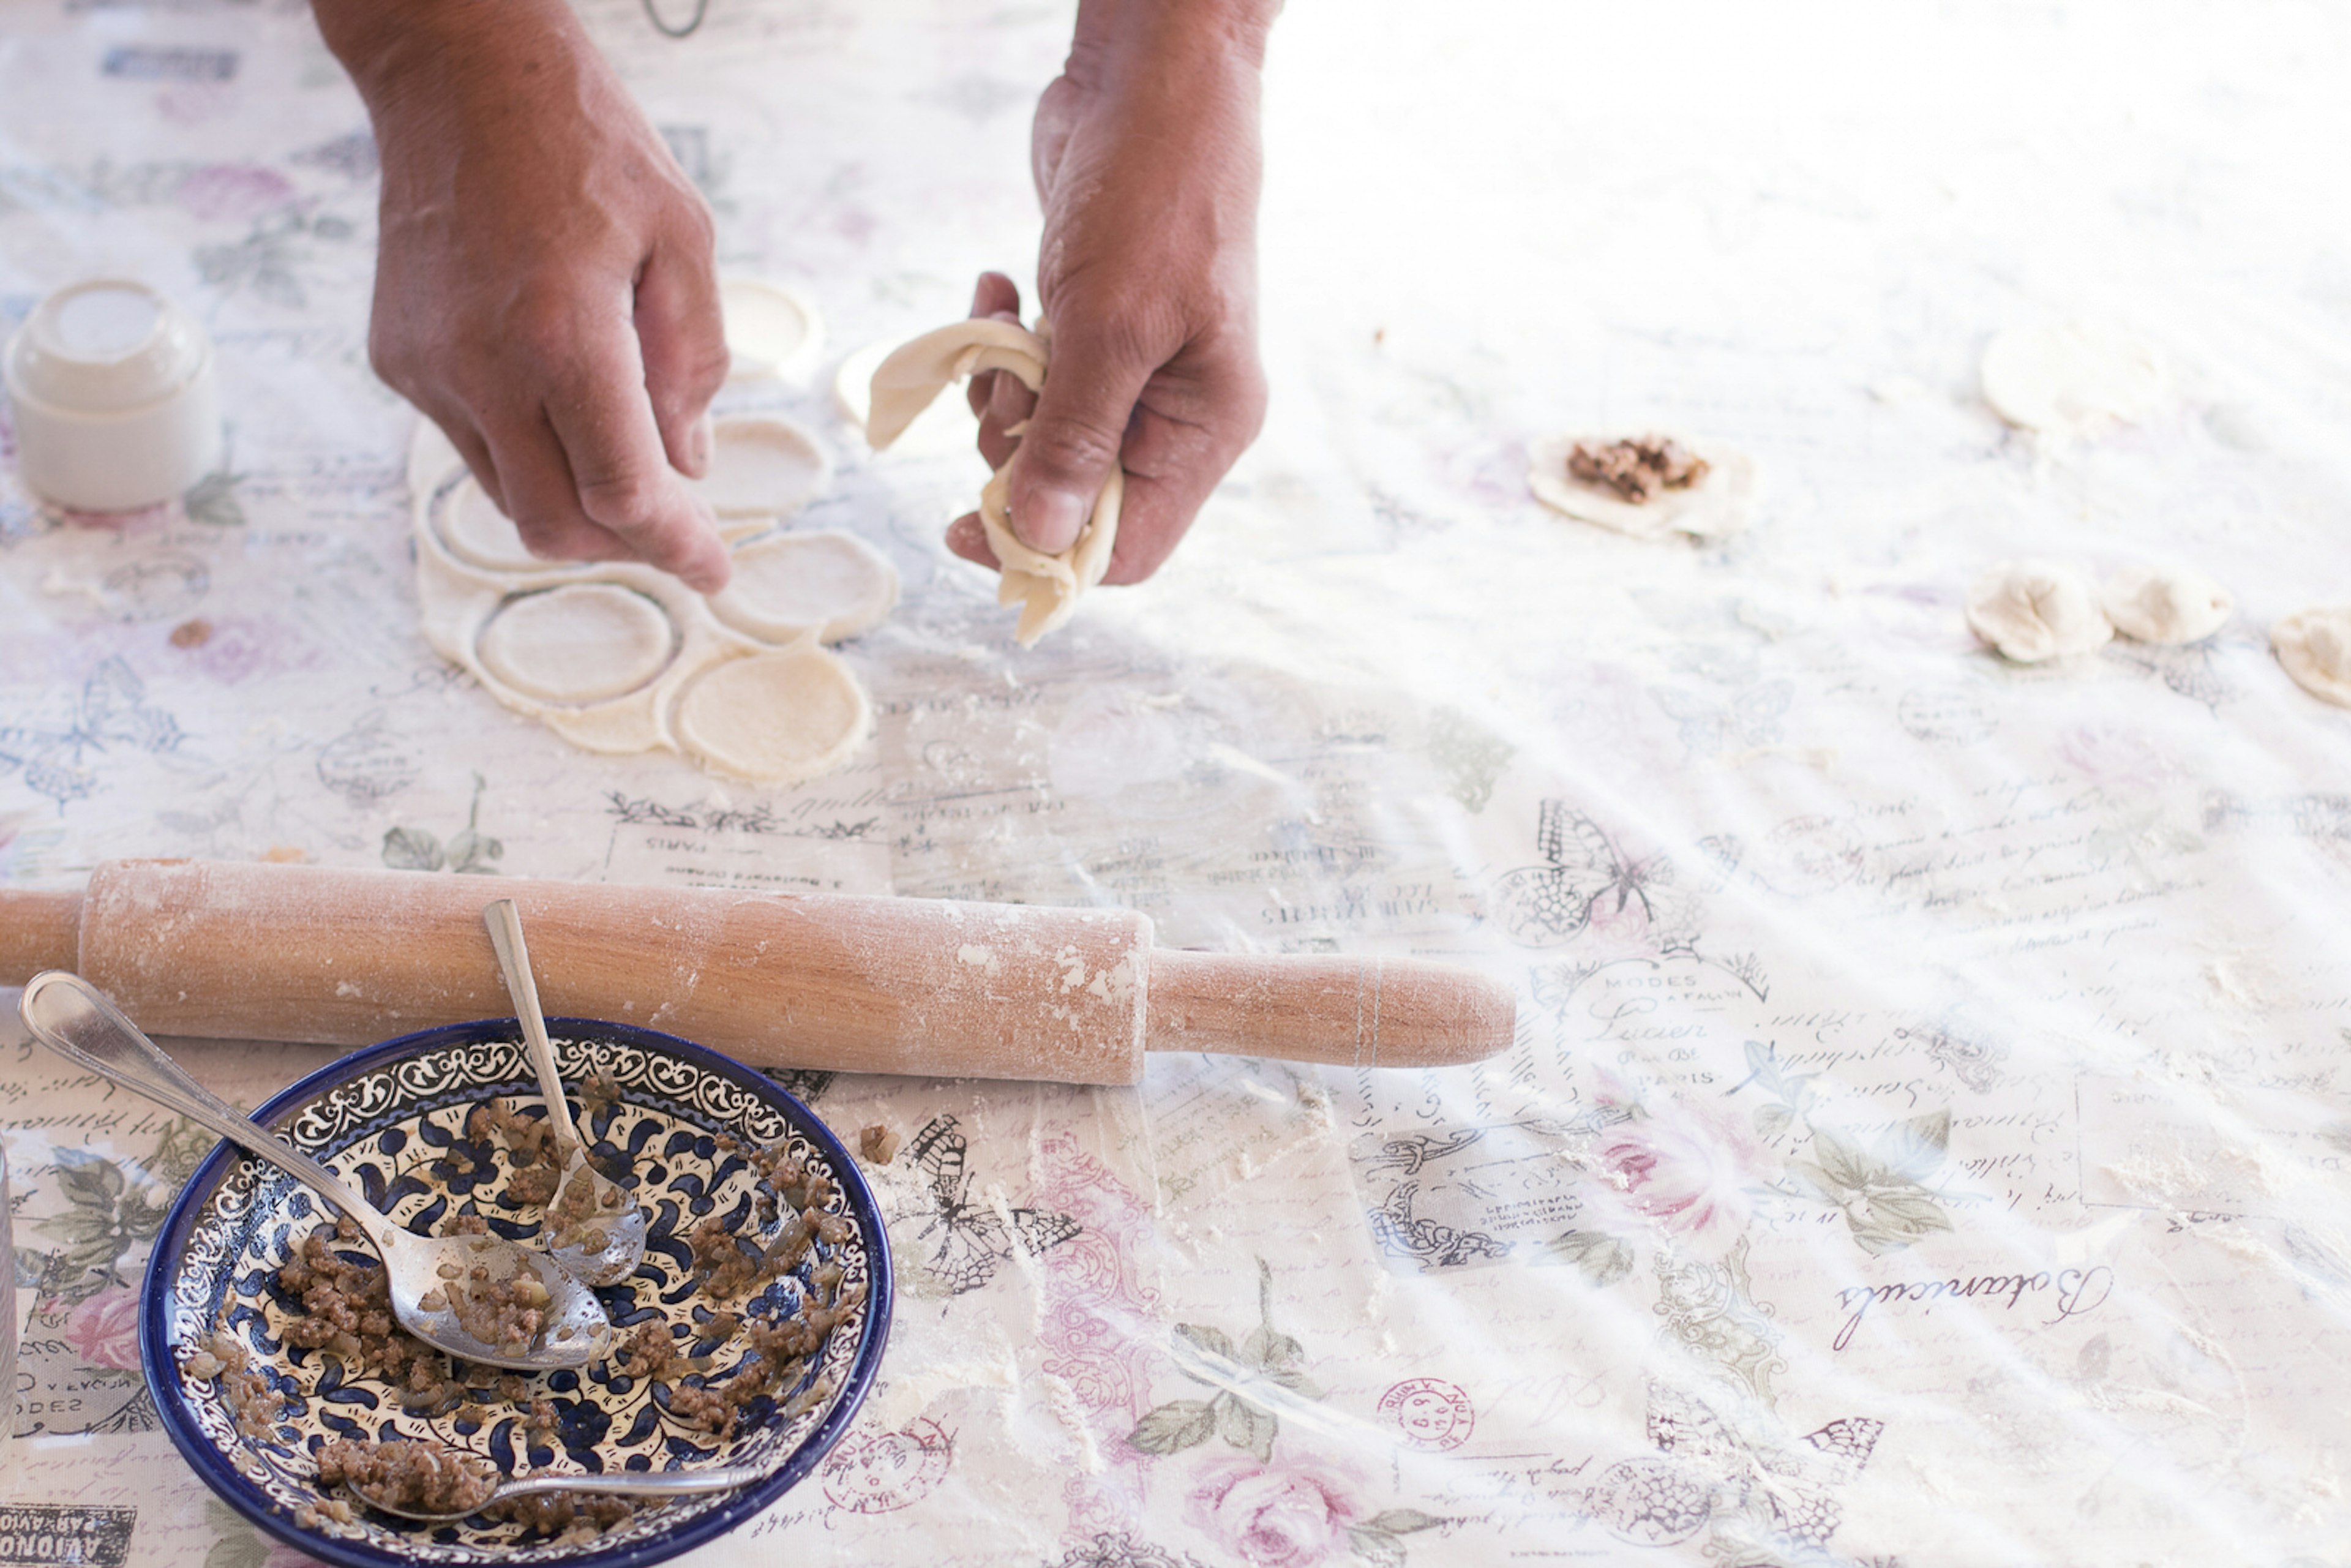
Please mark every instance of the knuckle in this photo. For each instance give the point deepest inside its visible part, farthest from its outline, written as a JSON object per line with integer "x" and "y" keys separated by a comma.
{"x": 1070, "y": 445}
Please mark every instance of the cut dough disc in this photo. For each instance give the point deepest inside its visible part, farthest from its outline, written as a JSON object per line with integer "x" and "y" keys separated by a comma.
{"x": 770, "y": 331}
{"x": 2074, "y": 379}
{"x": 776, "y": 718}
{"x": 2165, "y": 604}
{"x": 477, "y": 532}
{"x": 580, "y": 644}
{"x": 762, "y": 466}
{"x": 1715, "y": 507}
{"x": 2035, "y": 610}
{"x": 786, "y": 586}
{"x": 2315, "y": 646}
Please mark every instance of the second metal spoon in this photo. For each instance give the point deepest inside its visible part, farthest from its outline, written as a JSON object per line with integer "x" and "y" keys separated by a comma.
{"x": 68, "y": 1015}
{"x": 651, "y": 1486}
{"x": 596, "y": 1229}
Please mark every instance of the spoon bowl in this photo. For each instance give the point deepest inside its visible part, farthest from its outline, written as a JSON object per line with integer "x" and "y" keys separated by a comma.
{"x": 479, "y": 1298}
{"x": 593, "y": 1228}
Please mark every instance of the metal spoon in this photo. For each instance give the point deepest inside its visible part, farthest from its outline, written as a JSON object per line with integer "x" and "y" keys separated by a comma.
{"x": 624, "y": 1483}
{"x": 605, "y": 1245}
{"x": 67, "y": 1014}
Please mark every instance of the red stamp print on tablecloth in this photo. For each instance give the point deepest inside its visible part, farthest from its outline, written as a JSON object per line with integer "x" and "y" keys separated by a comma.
{"x": 881, "y": 1472}
{"x": 1430, "y": 1411}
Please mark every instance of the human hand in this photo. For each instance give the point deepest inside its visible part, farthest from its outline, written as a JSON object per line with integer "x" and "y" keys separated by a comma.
{"x": 1145, "y": 154}
{"x": 545, "y": 289}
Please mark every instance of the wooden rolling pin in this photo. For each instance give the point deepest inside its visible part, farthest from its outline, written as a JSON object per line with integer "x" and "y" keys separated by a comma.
{"x": 858, "y": 985}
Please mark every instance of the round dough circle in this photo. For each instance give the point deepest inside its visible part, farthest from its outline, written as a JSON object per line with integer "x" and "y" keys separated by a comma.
{"x": 2035, "y": 610}
{"x": 1715, "y": 507}
{"x": 478, "y": 534}
{"x": 2072, "y": 379}
{"x": 2165, "y": 604}
{"x": 584, "y": 642}
{"x": 762, "y": 467}
{"x": 825, "y": 581}
{"x": 946, "y": 427}
{"x": 2315, "y": 646}
{"x": 767, "y": 328}
{"x": 775, "y": 718}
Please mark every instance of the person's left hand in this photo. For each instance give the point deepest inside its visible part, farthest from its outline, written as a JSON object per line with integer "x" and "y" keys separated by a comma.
{"x": 1146, "y": 157}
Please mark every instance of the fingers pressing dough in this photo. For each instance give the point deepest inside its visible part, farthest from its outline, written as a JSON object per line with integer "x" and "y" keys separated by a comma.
{"x": 1046, "y": 587}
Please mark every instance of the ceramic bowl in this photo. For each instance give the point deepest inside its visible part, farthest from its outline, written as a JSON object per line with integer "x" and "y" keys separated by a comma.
{"x": 115, "y": 399}
{"x": 390, "y": 1119}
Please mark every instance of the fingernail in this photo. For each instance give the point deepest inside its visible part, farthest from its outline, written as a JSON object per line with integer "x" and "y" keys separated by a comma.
{"x": 1049, "y": 522}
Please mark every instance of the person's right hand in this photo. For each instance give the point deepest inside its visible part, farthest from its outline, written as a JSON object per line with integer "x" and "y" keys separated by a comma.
{"x": 545, "y": 290}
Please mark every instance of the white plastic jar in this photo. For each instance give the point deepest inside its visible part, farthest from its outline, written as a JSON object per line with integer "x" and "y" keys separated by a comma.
{"x": 115, "y": 402}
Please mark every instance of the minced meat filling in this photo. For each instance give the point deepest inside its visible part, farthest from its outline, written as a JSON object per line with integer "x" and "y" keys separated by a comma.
{"x": 1637, "y": 469}
{"x": 428, "y": 1478}
{"x": 344, "y": 1311}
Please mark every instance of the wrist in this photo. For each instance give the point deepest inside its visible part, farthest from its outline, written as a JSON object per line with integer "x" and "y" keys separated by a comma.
{"x": 395, "y": 50}
{"x": 1115, "y": 37}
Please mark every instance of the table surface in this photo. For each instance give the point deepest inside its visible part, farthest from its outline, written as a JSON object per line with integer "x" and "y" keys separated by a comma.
{"x": 1929, "y": 1150}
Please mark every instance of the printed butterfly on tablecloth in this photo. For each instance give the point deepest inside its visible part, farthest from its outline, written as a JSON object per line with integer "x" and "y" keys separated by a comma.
{"x": 113, "y": 711}
{"x": 975, "y": 1238}
{"x": 1786, "y": 1488}
{"x": 1587, "y": 881}
{"x": 1710, "y": 725}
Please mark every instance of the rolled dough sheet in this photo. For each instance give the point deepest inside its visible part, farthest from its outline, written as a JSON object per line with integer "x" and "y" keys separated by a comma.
{"x": 2035, "y": 610}
{"x": 1046, "y": 587}
{"x": 1715, "y": 507}
{"x": 581, "y": 643}
{"x": 2074, "y": 379}
{"x": 762, "y": 466}
{"x": 772, "y": 333}
{"x": 2165, "y": 604}
{"x": 2315, "y": 646}
{"x": 475, "y": 531}
{"x": 946, "y": 427}
{"x": 776, "y": 717}
{"x": 823, "y": 581}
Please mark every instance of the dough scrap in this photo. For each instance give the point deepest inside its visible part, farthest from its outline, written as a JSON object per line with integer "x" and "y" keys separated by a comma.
{"x": 1046, "y": 587}
{"x": 2074, "y": 379}
{"x": 2315, "y": 646}
{"x": 2035, "y": 610}
{"x": 948, "y": 426}
{"x": 762, "y": 466}
{"x": 580, "y": 644}
{"x": 2165, "y": 604}
{"x": 771, "y": 332}
{"x": 1716, "y": 507}
{"x": 778, "y": 717}
{"x": 823, "y": 581}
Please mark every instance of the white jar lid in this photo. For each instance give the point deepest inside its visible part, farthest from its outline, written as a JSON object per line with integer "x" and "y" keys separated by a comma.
{"x": 103, "y": 346}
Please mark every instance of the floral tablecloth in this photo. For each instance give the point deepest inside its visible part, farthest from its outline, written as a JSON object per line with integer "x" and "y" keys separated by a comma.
{"x": 1925, "y": 1139}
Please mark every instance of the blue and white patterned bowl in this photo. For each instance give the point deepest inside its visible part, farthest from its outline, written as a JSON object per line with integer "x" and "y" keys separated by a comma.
{"x": 384, "y": 1118}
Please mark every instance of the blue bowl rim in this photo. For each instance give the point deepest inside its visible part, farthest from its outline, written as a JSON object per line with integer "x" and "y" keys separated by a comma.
{"x": 163, "y": 1373}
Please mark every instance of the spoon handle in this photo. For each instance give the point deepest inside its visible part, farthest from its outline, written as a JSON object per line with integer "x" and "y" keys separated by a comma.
{"x": 514, "y": 960}
{"x": 69, "y": 1016}
{"x": 641, "y": 1483}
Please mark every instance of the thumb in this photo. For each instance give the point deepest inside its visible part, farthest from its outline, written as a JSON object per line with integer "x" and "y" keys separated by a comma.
{"x": 1073, "y": 440}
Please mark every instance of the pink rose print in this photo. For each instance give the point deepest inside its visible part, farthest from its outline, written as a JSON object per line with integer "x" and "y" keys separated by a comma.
{"x": 1674, "y": 1174}
{"x": 1274, "y": 1517}
{"x": 235, "y": 191}
{"x": 104, "y": 1329}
